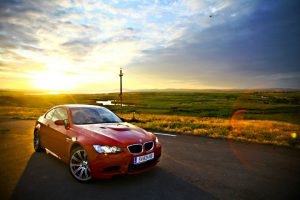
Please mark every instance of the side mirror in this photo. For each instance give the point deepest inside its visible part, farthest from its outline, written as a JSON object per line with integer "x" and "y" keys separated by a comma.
{"x": 59, "y": 122}
{"x": 67, "y": 123}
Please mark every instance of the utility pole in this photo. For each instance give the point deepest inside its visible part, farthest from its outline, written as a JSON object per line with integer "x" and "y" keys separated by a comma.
{"x": 121, "y": 99}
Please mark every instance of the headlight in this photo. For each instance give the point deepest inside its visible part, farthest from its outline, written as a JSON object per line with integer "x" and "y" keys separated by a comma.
{"x": 107, "y": 149}
{"x": 156, "y": 140}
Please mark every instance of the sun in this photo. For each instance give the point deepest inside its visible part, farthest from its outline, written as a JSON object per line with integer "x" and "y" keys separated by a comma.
{"x": 53, "y": 81}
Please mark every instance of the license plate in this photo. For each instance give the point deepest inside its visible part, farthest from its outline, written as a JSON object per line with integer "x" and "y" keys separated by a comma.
{"x": 141, "y": 159}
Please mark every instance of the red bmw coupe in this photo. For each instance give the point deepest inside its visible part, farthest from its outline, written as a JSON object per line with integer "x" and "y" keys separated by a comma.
{"x": 95, "y": 142}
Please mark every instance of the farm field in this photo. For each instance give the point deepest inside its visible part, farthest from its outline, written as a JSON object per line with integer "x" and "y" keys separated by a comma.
{"x": 271, "y": 117}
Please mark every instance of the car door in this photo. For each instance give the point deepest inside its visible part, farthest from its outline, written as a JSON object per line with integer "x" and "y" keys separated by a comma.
{"x": 58, "y": 134}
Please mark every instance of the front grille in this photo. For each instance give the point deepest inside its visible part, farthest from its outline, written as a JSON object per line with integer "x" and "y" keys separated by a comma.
{"x": 148, "y": 145}
{"x": 135, "y": 148}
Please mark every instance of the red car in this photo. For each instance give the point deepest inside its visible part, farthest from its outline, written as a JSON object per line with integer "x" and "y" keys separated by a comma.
{"x": 95, "y": 142}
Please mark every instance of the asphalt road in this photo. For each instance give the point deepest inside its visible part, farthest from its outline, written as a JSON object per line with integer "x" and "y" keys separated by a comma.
{"x": 190, "y": 168}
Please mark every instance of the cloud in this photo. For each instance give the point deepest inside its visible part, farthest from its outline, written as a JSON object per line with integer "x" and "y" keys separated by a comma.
{"x": 196, "y": 42}
{"x": 235, "y": 51}
{"x": 74, "y": 30}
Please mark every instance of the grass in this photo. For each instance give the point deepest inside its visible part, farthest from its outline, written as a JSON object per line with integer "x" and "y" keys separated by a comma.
{"x": 268, "y": 117}
{"x": 258, "y": 131}
{"x": 17, "y": 112}
{"x": 3, "y": 130}
{"x": 263, "y": 105}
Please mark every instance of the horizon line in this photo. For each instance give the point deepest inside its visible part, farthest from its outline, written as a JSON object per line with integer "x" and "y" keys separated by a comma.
{"x": 34, "y": 91}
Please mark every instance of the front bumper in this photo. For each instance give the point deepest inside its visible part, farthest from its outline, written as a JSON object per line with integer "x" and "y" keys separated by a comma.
{"x": 105, "y": 166}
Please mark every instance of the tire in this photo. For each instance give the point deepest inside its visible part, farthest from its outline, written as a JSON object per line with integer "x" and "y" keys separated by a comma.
{"x": 37, "y": 142}
{"x": 78, "y": 165}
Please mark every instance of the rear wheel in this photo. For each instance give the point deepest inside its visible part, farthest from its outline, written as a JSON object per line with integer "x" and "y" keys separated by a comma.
{"x": 79, "y": 166}
{"x": 37, "y": 142}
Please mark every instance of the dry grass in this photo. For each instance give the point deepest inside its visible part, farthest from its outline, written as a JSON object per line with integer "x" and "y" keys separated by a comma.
{"x": 3, "y": 130}
{"x": 14, "y": 112}
{"x": 236, "y": 128}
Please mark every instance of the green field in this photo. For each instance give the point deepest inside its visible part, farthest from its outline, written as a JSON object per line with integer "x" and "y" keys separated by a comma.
{"x": 265, "y": 105}
{"x": 271, "y": 117}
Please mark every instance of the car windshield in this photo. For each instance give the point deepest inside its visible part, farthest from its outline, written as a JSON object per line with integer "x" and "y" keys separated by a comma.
{"x": 93, "y": 115}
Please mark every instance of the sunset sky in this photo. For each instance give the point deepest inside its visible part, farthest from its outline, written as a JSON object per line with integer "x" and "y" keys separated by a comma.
{"x": 80, "y": 46}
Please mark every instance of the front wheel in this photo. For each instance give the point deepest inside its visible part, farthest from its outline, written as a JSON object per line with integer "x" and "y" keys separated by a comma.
{"x": 79, "y": 166}
{"x": 37, "y": 142}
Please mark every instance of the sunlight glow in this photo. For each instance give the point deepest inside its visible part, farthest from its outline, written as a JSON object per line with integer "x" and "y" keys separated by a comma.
{"x": 53, "y": 81}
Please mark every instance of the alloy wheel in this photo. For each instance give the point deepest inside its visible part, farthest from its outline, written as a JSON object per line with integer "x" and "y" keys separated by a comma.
{"x": 79, "y": 165}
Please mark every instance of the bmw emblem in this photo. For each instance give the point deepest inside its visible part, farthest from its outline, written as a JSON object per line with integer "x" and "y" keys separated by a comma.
{"x": 140, "y": 140}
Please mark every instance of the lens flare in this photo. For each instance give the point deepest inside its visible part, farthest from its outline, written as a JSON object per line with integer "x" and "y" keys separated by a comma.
{"x": 294, "y": 135}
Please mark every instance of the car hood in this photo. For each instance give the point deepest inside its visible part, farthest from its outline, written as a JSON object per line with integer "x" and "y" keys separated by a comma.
{"x": 123, "y": 133}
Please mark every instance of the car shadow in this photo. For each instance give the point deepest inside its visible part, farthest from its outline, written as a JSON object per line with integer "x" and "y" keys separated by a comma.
{"x": 46, "y": 177}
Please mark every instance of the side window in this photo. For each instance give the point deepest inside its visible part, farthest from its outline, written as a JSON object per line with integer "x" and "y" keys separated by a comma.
{"x": 60, "y": 113}
{"x": 49, "y": 114}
